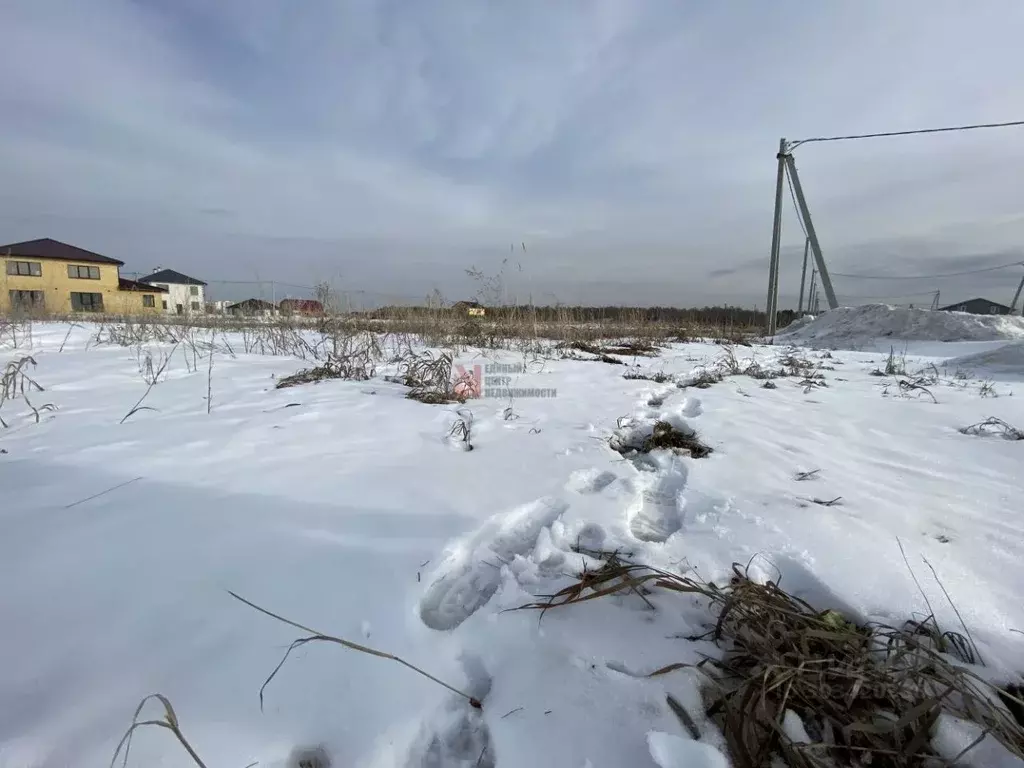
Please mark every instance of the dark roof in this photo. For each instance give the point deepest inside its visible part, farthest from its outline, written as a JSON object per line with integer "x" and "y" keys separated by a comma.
{"x": 170, "y": 276}
{"x": 124, "y": 284}
{"x": 988, "y": 302}
{"x": 47, "y": 248}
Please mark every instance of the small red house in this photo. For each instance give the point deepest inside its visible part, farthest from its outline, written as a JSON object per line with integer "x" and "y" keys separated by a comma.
{"x": 300, "y": 307}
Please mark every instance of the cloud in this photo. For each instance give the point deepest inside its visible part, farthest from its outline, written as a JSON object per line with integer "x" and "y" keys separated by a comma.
{"x": 629, "y": 145}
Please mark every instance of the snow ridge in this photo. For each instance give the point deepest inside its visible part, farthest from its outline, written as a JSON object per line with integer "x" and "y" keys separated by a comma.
{"x": 860, "y": 327}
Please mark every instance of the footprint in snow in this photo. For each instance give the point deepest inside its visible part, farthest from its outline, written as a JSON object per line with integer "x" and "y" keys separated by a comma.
{"x": 692, "y": 408}
{"x": 456, "y": 735}
{"x": 470, "y": 573}
{"x": 657, "y": 509}
{"x": 591, "y": 480}
{"x": 658, "y": 397}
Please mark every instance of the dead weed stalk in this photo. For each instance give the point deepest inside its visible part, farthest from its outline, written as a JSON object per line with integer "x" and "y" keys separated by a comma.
{"x": 993, "y": 427}
{"x": 315, "y": 636}
{"x": 16, "y": 382}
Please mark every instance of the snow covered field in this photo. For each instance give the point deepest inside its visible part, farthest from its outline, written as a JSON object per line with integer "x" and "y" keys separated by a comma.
{"x": 347, "y": 508}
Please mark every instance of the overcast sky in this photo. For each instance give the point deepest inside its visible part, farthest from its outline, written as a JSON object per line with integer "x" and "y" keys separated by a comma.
{"x": 628, "y": 145}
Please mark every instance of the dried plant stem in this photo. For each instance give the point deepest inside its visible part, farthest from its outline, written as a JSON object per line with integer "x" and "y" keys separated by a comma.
{"x": 156, "y": 377}
{"x": 170, "y": 722}
{"x": 956, "y": 610}
{"x": 209, "y": 383}
{"x": 316, "y": 636}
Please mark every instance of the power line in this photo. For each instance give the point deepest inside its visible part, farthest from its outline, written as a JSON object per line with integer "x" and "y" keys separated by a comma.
{"x": 931, "y": 277}
{"x": 795, "y": 144}
{"x": 890, "y": 296}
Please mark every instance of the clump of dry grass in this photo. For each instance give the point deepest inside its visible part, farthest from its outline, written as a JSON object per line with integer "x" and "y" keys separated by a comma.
{"x": 429, "y": 378}
{"x": 600, "y": 354}
{"x": 658, "y": 377}
{"x": 867, "y": 694}
{"x": 357, "y": 364}
{"x": 701, "y": 378}
{"x": 664, "y": 436}
{"x": 16, "y": 382}
{"x": 993, "y": 427}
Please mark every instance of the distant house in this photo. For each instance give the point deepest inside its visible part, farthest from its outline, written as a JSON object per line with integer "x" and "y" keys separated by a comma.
{"x": 978, "y": 307}
{"x": 47, "y": 276}
{"x": 473, "y": 308}
{"x": 251, "y": 308}
{"x": 185, "y": 295}
{"x": 300, "y": 307}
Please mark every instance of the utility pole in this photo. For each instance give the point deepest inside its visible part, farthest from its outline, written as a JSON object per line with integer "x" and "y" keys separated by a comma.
{"x": 1016, "y": 296}
{"x": 803, "y": 278}
{"x": 812, "y": 235}
{"x": 771, "y": 306}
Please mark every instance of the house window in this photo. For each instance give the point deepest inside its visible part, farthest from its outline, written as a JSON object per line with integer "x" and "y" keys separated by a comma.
{"x": 83, "y": 273}
{"x": 86, "y": 302}
{"x": 194, "y": 290}
{"x": 195, "y": 306}
{"x": 164, "y": 301}
{"x": 993, "y": 310}
{"x": 26, "y": 300}
{"x": 149, "y": 301}
{"x": 24, "y": 268}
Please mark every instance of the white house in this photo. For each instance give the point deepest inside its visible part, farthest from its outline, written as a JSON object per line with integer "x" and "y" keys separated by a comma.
{"x": 185, "y": 295}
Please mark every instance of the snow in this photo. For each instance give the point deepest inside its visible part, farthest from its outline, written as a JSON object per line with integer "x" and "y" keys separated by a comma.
{"x": 1007, "y": 359}
{"x": 671, "y": 751}
{"x": 876, "y": 326}
{"x": 344, "y": 506}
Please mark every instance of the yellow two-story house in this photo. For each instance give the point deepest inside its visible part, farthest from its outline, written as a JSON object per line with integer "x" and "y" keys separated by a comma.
{"x": 47, "y": 277}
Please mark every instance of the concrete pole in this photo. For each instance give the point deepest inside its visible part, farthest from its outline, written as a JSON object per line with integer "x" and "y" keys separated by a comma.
{"x": 1016, "y": 296}
{"x": 771, "y": 306}
{"x": 803, "y": 278}
{"x": 801, "y": 201}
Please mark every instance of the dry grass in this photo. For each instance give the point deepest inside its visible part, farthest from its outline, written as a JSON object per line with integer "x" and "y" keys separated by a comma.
{"x": 16, "y": 382}
{"x": 430, "y": 380}
{"x": 664, "y": 436}
{"x": 866, "y": 694}
{"x": 658, "y": 377}
{"x": 352, "y": 358}
{"x": 993, "y": 427}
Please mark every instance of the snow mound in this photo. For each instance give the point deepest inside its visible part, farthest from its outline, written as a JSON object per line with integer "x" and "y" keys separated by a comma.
{"x": 1006, "y": 359}
{"x": 854, "y": 327}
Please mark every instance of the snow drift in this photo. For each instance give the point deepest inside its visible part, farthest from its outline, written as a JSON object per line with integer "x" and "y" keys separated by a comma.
{"x": 857, "y": 327}
{"x": 1006, "y": 359}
